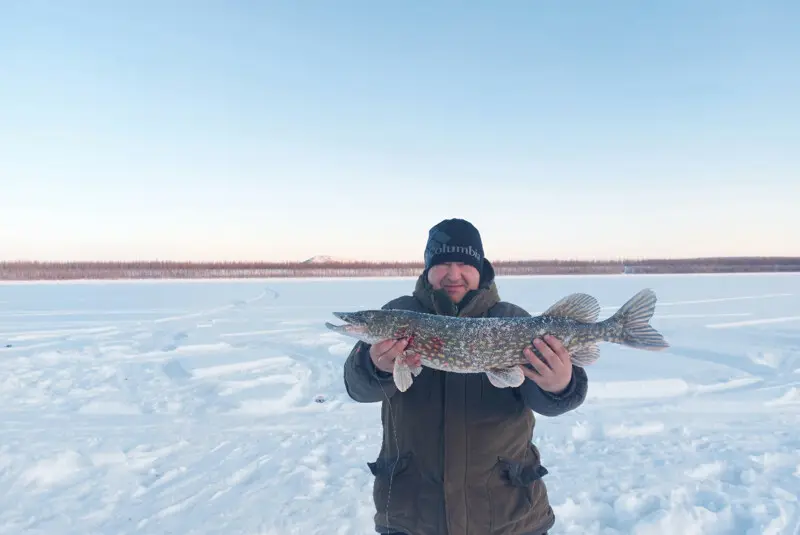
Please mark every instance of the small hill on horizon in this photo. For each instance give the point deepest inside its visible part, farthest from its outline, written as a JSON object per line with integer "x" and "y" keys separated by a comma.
{"x": 326, "y": 259}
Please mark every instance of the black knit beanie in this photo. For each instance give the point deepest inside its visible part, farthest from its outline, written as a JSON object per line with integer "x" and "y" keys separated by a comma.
{"x": 454, "y": 240}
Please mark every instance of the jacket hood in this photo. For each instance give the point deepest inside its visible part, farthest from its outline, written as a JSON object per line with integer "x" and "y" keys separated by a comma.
{"x": 475, "y": 302}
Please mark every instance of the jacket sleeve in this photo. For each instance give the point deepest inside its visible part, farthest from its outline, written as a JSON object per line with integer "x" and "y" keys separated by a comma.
{"x": 363, "y": 381}
{"x": 548, "y": 403}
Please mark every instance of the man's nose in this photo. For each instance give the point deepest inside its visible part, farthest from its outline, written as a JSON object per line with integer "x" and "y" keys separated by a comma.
{"x": 454, "y": 270}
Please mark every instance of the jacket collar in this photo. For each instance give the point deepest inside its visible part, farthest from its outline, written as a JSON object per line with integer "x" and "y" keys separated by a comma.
{"x": 475, "y": 302}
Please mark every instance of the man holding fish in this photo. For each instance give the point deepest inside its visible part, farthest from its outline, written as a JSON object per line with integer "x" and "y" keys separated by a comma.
{"x": 460, "y": 374}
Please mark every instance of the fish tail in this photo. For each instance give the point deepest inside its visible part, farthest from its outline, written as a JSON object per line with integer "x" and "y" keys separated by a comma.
{"x": 634, "y": 319}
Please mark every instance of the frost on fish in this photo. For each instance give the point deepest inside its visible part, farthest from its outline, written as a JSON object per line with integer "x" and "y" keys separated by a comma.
{"x": 494, "y": 345}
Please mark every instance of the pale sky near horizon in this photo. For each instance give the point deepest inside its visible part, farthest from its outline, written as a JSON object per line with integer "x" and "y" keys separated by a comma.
{"x": 236, "y": 131}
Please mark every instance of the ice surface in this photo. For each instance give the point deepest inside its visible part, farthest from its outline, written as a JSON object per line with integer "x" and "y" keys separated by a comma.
{"x": 218, "y": 407}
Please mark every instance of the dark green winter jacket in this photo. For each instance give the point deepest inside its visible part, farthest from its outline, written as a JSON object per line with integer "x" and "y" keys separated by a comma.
{"x": 467, "y": 465}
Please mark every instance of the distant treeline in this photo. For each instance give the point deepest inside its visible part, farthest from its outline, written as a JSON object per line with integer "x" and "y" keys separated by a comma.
{"x": 27, "y": 271}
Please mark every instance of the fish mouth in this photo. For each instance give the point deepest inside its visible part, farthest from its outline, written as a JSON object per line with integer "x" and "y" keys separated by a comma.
{"x": 349, "y": 317}
{"x": 352, "y": 327}
{"x": 349, "y": 330}
{"x": 353, "y": 320}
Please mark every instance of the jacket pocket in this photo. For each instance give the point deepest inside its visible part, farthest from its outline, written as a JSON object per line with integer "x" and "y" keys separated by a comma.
{"x": 511, "y": 492}
{"x": 395, "y": 490}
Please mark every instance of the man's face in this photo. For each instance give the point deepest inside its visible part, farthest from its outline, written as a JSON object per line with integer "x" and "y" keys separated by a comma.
{"x": 455, "y": 278}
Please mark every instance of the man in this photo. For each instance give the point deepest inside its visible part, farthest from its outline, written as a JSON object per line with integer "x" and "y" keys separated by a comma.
{"x": 457, "y": 456}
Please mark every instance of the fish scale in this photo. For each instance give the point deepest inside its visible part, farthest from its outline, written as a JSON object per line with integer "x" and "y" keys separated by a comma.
{"x": 494, "y": 345}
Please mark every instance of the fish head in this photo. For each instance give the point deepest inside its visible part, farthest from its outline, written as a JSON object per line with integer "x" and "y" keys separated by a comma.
{"x": 369, "y": 326}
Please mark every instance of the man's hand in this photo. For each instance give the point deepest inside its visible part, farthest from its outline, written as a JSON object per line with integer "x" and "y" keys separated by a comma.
{"x": 556, "y": 372}
{"x": 383, "y": 354}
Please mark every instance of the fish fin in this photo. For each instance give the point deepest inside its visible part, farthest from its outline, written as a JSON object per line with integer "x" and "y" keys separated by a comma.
{"x": 586, "y": 355}
{"x": 634, "y": 316}
{"x": 402, "y": 375}
{"x": 415, "y": 370}
{"x": 506, "y": 377}
{"x": 578, "y": 306}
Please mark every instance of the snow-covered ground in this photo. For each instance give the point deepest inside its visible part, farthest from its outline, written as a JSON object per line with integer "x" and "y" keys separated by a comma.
{"x": 192, "y": 407}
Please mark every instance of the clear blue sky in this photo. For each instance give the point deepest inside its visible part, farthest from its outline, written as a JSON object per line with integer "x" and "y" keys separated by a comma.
{"x": 283, "y": 130}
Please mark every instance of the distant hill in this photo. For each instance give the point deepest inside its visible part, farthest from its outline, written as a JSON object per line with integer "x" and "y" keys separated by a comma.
{"x": 324, "y": 259}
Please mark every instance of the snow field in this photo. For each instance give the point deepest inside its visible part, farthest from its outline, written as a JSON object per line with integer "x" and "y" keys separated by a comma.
{"x": 218, "y": 407}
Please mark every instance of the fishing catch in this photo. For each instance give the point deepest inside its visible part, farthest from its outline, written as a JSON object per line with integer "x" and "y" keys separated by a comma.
{"x": 494, "y": 345}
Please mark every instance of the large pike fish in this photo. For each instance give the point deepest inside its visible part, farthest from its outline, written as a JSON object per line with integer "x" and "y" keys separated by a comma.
{"x": 494, "y": 345}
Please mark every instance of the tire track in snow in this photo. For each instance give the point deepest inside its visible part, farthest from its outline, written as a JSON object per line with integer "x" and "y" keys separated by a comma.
{"x": 747, "y": 323}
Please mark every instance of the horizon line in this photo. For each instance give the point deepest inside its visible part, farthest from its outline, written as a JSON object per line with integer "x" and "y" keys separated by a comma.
{"x": 330, "y": 261}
